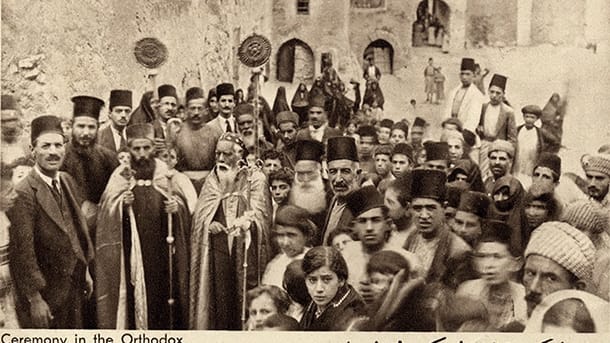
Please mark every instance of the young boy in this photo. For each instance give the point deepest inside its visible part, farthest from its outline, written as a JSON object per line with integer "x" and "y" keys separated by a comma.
{"x": 380, "y": 271}
{"x": 496, "y": 261}
{"x": 529, "y": 141}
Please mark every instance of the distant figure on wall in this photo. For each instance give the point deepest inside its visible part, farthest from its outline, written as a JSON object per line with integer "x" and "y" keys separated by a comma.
{"x": 429, "y": 80}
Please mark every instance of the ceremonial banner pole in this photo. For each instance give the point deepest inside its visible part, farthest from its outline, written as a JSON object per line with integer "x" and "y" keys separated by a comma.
{"x": 170, "y": 246}
{"x": 253, "y": 52}
{"x": 151, "y": 53}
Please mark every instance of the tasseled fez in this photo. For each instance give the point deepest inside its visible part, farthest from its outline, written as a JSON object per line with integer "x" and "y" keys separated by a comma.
{"x": 467, "y": 64}
{"x": 498, "y": 81}
{"x": 120, "y": 97}
{"x": 224, "y": 89}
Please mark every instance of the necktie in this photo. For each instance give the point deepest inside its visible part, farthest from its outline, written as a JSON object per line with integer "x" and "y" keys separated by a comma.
{"x": 228, "y": 126}
{"x": 123, "y": 142}
{"x": 56, "y": 191}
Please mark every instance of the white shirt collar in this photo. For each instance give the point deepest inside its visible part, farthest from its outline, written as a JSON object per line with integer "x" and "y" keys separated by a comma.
{"x": 46, "y": 179}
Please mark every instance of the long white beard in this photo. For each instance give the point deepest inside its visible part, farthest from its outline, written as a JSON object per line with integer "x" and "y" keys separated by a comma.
{"x": 311, "y": 195}
{"x": 227, "y": 178}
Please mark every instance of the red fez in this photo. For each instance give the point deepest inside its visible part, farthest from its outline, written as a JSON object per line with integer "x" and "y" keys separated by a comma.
{"x": 404, "y": 149}
{"x": 367, "y": 131}
{"x": 194, "y": 93}
{"x": 429, "y": 184}
{"x": 87, "y": 106}
{"x": 167, "y": 90}
{"x": 436, "y": 151}
{"x": 364, "y": 199}
{"x": 224, "y": 89}
{"x": 419, "y": 122}
{"x": 532, "y": 109}
{"x": 120, "y": 97}
{"x": 45, "y": 124}
{"x": 287, "y": 116}
{"x": 341, "y": 148}
{"x": 475, "y": 203}
{"x": 140, "y": 131}
{"x": 498, "y": 81}
{"x": 386, "y": 123}
{"x": 467, "y": 64}
{"x": 309, "y": 150}
{"x": 551, "y": 161}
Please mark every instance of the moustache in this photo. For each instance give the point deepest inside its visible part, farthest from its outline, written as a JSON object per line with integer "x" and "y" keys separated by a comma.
{"x": 533, "y": 298}
{"x": 53, "y": 158}
{"x": 592, "y": 189}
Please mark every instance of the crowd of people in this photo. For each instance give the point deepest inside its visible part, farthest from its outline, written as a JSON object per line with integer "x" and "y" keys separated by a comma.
{"x": 224, "y": 213}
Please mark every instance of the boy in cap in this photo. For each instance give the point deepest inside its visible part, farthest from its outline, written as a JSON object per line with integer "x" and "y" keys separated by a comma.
{"x": 529, "y": 141}
{"x": 372, "y": 226}
{"x": 397, "y": 198}
{"x": 496, "y": 262}
{"x": 400, "y": 132}
{"x": 384, "y": 130}
{"x": 366, "y": 146}
{"x": 50, "y": 247}
{"x": 440, "y": 251}
{"x": 497, "y": 121}
{"x": 292, "y": 230}
{"x": 402, "y": 159}
{"x": 465, "y": 101}
{"x": 120, "y": 106}
{"x": 469, "y": 216}
{"x": 195, "y": 142}
{"x": 280, "y": 185}
{"x": 383, "y": 165}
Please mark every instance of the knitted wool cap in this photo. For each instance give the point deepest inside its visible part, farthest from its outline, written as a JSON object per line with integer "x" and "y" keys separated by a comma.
{"x": 597, "y": 163}
{"x": 565, "y": 245}
{"x": 586, "y": 215}
{"x": 502, "y": 145}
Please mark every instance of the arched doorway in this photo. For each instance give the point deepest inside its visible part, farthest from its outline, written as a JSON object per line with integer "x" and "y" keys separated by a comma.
{"x": 295, "y": 62}
{"x": 432, "y": 23}
{"x": 382, "y": 54}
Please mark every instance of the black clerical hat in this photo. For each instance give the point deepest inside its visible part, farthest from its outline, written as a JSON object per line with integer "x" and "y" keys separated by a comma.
{"x": 341, "y": 148}
{"x": 87, "y": 106}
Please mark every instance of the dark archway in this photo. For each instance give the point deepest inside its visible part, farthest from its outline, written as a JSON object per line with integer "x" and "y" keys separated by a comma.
{"x": 382, "y": 53}
{"x": 432, "y": 24}
{"x": 295, "y": 62}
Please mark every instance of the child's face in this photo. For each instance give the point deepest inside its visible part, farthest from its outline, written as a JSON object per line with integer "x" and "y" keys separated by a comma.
{"x": 380, "y": 283}
{"x": 340, "y": 241}
{"x": 124, "y": 158}
{"x": 529, "y": 119}
{"x": 494, "y": 262}
{"x": 351, "y": 128}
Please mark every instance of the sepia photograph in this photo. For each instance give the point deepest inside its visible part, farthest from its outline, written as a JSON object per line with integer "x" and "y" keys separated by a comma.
{"x": 393, "y": 167}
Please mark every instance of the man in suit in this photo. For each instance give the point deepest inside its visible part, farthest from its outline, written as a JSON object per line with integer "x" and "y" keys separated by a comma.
{"x": 345, "y": 177}
{"x": 497, "y": 121}
{"x": 50, "y": 246}
{"x": 225, "y": 122}
{"x": 168, "y": 108}
{"x": 464, "y": 102}
{"x": 318, "y": 128}
{"x": 120, "y": 105}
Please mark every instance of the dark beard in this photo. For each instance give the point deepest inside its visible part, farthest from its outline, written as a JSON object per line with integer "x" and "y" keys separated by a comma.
{"x": 144, "y": 168}
{"x": 83, "y": 150}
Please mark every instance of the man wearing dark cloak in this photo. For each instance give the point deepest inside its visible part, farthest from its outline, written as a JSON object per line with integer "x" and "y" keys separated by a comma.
{"x": 132, "y": 265}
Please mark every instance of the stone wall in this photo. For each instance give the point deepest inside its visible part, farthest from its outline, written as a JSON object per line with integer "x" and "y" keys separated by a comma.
{"x": 55, "y": 49}
{"x": 492, "y": 22}
{"x": 558, "y": 21}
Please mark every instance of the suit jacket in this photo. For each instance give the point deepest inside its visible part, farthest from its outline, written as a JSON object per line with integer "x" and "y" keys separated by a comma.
{"x": 470, "y": 109}
{"x": 43, "y": 258}
{"x": 304, "y": 134}
{"x": 218, "y": 125}
{"x": 344, "y": 220}
{"x": 106, "y": 139}
{"x": 506, "y": 128}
